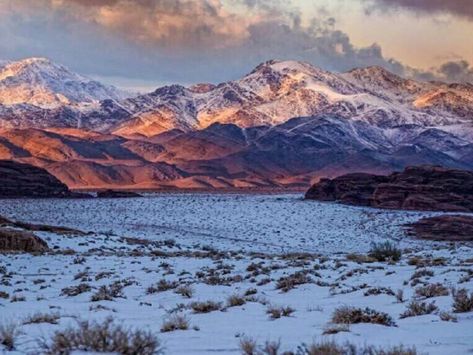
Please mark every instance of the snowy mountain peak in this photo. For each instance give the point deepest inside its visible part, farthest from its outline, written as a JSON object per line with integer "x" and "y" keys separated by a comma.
{"x": 39, "y": 81}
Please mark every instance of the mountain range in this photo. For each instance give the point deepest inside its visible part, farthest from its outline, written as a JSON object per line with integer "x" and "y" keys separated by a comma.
{"x": 284, "y": 124}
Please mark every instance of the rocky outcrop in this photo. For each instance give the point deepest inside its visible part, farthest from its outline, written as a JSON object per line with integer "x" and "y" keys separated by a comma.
{"x": 443, "y": 228}
{"x": 429, "y": 188}
{"x": 21, "y": 241}
{"x": 117, "y": 194}
{"x": 23, "y": 180}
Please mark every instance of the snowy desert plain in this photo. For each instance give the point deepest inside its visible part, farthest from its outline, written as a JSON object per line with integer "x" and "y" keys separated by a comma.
{"x": 233, "y": 274}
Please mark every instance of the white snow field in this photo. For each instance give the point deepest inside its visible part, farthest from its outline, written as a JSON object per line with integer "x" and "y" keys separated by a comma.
{"x": 269, "y": 250}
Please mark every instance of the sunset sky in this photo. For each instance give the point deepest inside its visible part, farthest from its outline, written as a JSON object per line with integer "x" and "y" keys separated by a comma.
{"x": 142, "y": 44}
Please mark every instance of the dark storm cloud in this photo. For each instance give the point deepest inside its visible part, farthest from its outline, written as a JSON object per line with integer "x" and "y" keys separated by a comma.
{"x": 463, "y": 8}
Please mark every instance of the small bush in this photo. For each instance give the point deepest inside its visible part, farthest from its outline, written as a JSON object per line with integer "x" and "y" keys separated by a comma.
{"x": 185, "y": 291}
{"x": 386, "y": 251}
{"x": 448, "y": 317}
{"x": 108, "y": 293}
{"x": 431, "y": 290}
{"x": 8, "y": 334}
{"x": 248, "y": 346}
{"x": 18, "y": 298}
{"x": 331, "y": 329}
{"x": 415, "y": 309}
{"x": 76, "y": 290}
{"x": 51, "y": 318}
{"x": 461, "y": 302}
{"x": 205, "y": 307}
{"x": 276, "y": 312}
{"x": 290, "y": 282}
{"x": 105, "y": 337}
{"x": 161, "y": 286}
{"x": 422, "y": 273}
{"x": 4, "y": 295}
{"x": 352, "y": 315}
{"x": 235, "y": 301}
{"x": 175, "y": 322}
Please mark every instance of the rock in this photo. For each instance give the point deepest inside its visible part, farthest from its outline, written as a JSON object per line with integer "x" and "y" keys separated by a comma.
{"x": 117, "y": 194}
{"x": 23, "y": 180}
{"x": 443, "y": 228}
{"x": 355, "y": 189}
{"x": 15, "y": 240}
{"x": 429, "y": 188}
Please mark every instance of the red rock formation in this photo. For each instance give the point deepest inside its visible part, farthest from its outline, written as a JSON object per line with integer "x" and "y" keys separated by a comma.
{"x": 444, "y": 228}
{"x": 416, "y": 188}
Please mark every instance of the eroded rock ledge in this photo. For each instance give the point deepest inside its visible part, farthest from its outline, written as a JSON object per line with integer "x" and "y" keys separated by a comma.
{"x": 428, "y": 188}
{"x": 443, "y": 228}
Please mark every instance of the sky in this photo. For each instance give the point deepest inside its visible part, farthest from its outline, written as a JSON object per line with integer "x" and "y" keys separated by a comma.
{"x": 143, "y": 44}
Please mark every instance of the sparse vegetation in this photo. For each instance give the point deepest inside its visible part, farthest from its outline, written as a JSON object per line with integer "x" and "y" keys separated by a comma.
{"x": 51, "y": 318}
{"x": 205, "y": 307}
{"x": 105, "y": 337}
{"x": 235, "y": 301}
{"x": 276, "y": 312}
{"x": 8, "y": 335}
{"x": 352, "y": 315}
{"x": 161, "y": 286}
{"x": 386, "y": 251}
{"x": 462, "y": 302}
{"x": 185, "y": 291}
{"x": 431, "y": 290}
{"x": 290, "y": 282}
{"x": 76, "y": 290}
{"x": 175, "y": 322}
{"x": 415, "y": 308}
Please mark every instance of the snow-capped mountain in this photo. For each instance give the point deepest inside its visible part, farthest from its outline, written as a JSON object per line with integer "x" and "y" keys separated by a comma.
{"x": 279, "y": 90}
{"x": 42, "y": 83}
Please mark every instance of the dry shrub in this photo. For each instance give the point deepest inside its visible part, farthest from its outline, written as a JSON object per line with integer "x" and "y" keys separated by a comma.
{"x": 105, "y": 337}
{"x": 8, "y": 335}
{"x": 352, "y": 315}
{"x": 448, "y": 317}
{"x": 248, "y": 346}
{"x": 51, "y": 318}
{"x": 161, "y": 286}
{"x": 108, "y": 293}
{"x": 205, "y": 307}
{"x": 287, "y": 283}
{"x": 462, "y": 302}
{"x": 415, "y": 308}
{"x": 431, "y": 290}
{"x": 276, "y": 312}
{"x": 76, "y": 290}
{"x": 185, "y": 291}
{"x": 330, "y": 329}
{"x": 235, "y": 301}
{"x": 386, "y": 251}
{"x": 175, "y": 322}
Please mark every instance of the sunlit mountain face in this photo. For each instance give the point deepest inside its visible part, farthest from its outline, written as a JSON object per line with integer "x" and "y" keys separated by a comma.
{"x": 281, "y": 125}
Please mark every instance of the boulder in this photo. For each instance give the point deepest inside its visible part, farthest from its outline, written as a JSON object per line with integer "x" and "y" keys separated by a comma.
{"x": 443, "y": 228}
{"x": 429, "y": 188}
{"x": 21, "y": 241}
{"x": 117, "y": 194}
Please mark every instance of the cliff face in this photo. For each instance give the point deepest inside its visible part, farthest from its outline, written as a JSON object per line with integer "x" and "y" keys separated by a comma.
{"x": 429, "y": 188}
{"x": 23, "y": 180}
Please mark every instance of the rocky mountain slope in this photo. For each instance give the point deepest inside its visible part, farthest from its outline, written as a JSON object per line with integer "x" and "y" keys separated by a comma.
{"x": 22, "y": 180}
{"x": 285, "y": 123}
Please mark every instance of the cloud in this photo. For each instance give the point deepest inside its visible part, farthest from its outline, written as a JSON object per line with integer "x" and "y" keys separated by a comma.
{"x": 185, "y": 41}
{"x": 462, "y": 8}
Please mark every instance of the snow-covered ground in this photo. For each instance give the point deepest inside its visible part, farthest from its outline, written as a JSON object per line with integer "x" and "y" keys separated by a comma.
{"x": 223, "y": 245}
